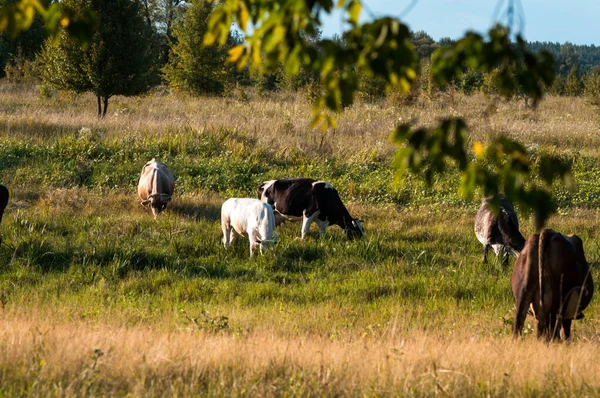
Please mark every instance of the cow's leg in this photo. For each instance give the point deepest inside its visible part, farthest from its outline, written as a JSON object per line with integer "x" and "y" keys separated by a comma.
{"x": 278, "y": 219}
{"x": 543, "y": 324}
{"x": 251, "y": 247}
{"x": 226, "y": 235}
{"x": 306, "y": 221}
{"x": 554, "y": 326}
{"x": 505, "y": 254}
{"x": 485, "y": 252}
{"x": 566, "y": 329}
{"x": 252, "y": 239}
{"x": 523, "y": 302}
{"x": 322, "y": 227}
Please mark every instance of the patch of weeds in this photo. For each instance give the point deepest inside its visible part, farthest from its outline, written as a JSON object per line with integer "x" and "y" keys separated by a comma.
{"x": 205, "y": 321}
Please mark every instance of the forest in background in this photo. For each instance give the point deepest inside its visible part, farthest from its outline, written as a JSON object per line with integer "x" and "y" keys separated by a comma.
{"x": 167, "y": 36}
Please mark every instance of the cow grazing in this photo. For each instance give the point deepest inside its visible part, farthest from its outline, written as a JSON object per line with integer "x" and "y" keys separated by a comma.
{"x": 248, "y": 217}
{"x": 156, "y": 186}
{"x": 498, "y": 231}
{"x": 3, "y": 200}
{"x": 308, "y": 200}
{"x": 552, "y": 275}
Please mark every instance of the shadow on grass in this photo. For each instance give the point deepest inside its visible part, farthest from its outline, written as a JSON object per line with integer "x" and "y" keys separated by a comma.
{"x": 197, "y": 212}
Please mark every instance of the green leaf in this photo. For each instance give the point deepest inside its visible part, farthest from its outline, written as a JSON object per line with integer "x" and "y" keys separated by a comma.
{"x": 354, "y": 9}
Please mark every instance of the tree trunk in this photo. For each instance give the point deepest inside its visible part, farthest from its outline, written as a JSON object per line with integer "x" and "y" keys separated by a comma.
{"x": 105, "y": 106}
{"x": 102, "y": 101}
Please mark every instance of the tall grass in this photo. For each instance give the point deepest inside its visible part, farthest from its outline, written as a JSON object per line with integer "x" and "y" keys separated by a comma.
{"x": 98, "y": 298}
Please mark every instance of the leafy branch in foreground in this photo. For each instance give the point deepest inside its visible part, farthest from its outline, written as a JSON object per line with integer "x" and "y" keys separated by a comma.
{"x": 18, "y": 17}
{"x": 503, "y": 166}
{"x": 280, "y": 31}
{"x": 519, "y": 71}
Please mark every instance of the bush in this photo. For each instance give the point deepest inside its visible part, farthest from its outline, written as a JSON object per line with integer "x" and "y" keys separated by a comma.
{"x": 591, "y": 85}
{"x": 22, "y": 70}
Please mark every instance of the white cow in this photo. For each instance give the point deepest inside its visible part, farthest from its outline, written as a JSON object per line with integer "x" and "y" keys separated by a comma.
{"x": 156, "y": 186}
{"x": 248, "y": 217}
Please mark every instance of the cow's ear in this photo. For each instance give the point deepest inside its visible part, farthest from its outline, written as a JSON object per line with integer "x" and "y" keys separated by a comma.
{"x": 145, "y": 202}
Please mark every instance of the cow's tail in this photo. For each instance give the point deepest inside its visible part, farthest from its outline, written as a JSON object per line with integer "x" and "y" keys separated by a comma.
{"x": 543, "y": 265}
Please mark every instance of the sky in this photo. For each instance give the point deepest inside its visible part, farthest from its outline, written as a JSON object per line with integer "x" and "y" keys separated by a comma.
{"x": 576, "y": 21}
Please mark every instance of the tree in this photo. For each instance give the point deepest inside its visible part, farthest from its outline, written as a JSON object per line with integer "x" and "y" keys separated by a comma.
{"x": 383, "y": 49}
{"x": 192, "y": 67}
{"x": 573, "y": 86}
{"x": 591, "y": 84}
{"x": 567, "y": 58}
{"x": 118, "y": 60}
{"x": 24, "y": 46}
{"x": 161, "y": 15}
{"x": 424, "y": 44}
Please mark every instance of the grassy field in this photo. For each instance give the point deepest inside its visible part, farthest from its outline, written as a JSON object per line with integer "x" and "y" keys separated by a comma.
{"x": 98, "y": 298}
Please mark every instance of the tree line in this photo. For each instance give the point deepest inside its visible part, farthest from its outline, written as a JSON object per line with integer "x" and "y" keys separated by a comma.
{"x": 138, "y": 44}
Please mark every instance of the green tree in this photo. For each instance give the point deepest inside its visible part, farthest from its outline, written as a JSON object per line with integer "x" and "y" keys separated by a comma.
{"x": 573, "y": 86}
{"x": 161, "y": 15}
{"x": 424, "y": 44}
{"x": 567, "y": 58}
{"x": 23, "y": 47}
{"x": 117, "y": 61}
{"x": 192, "y": 67}
{"x": 591, "y": 85}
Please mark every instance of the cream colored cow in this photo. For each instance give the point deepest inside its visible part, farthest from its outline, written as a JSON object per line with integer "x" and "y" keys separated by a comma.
{"x": 156, "y": 186}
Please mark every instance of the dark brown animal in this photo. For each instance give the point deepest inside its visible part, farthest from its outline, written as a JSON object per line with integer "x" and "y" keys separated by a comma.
{"x": 3, "y": 200}
{"x": 552, "y": 276}
{"x": 498, "y": 230}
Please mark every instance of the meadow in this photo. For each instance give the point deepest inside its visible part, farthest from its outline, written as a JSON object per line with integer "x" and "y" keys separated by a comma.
{"x": 98, "y": 298}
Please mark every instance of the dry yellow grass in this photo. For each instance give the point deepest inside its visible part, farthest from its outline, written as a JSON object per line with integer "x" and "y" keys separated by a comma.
{"x": 63, "y": 355}
{"x": 282, "y": 120}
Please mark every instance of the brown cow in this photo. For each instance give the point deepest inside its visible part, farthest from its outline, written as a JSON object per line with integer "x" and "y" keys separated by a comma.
{"x": 156, "y": 186}
{"x": 552, "y": 275}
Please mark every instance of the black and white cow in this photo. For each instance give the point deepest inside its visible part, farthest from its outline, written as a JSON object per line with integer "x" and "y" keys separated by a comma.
{"x": 308, "y": 200}
{"x": 499, "y": 231}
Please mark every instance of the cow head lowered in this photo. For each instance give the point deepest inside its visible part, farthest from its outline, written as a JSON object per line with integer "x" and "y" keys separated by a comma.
{"x": 354, "y": 229}
{"x": 308, "y": 200}
{"x": 156, "y": 186}
{"x": 158, "y": 202}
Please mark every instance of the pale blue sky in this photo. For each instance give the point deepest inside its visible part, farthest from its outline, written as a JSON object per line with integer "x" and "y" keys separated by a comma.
{"x": 576, "y": 21}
